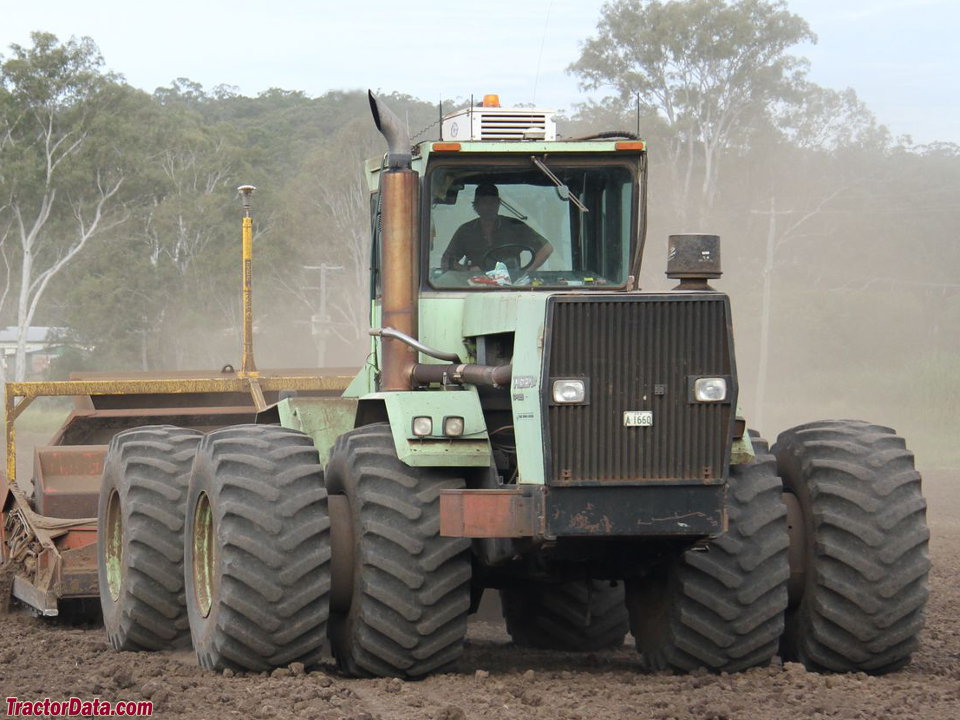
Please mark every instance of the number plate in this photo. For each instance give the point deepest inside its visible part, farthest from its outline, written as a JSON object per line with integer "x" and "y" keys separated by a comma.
{"x": 638, "y": 418}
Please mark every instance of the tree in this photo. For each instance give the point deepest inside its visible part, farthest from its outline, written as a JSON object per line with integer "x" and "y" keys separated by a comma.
{"x": 57, "y": 183}
{"x": 163, "y": 286}
{"x": 709, "y": 68}
{"x": 3, "y": 299}
{"x": 826, "y": 119}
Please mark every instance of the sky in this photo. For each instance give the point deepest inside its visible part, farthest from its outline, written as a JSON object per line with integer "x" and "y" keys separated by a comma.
{"x": 901, "y": 56}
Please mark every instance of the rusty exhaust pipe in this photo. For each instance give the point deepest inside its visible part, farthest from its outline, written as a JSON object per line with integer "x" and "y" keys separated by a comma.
{"x": 400, "y": 233}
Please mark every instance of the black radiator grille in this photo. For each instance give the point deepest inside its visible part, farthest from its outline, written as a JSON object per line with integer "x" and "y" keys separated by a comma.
{"x": 638, "y": 353}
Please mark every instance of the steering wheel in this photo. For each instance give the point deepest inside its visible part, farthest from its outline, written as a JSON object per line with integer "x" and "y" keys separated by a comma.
{"x": 502, "y": 253}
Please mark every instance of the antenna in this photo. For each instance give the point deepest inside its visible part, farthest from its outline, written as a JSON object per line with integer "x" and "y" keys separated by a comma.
{"x": 543, "y": 41}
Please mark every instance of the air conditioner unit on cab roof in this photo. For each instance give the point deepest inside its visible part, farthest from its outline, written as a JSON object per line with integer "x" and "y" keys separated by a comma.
{"x": 496, "y": 123}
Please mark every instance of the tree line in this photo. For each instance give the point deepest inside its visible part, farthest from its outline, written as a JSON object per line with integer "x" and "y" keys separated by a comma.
{"x": 118, "y": 218}
{"x": 119, "y": 222}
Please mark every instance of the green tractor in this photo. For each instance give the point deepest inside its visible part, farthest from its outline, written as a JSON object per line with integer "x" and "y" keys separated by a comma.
{"x": 527, "y": 421}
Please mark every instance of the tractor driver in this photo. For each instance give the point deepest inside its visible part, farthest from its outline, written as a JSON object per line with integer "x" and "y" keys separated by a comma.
{"x": 479, "y": 244}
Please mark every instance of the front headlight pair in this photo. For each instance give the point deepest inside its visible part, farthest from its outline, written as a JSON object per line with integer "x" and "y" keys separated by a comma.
{"x": 452, "y": 426}
{"x": 573, "y": 391}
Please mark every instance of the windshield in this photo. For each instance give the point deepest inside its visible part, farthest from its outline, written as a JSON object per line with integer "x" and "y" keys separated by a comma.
{"x": 545, "y": 222}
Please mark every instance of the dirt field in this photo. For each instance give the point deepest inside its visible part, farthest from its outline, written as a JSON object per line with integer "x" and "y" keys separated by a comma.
{"x": 41, "y": 659}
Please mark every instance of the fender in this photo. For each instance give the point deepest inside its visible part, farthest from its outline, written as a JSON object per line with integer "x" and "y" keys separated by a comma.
{"x": 471, "y": 449}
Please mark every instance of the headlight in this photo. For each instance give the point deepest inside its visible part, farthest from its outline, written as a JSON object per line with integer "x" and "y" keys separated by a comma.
{"x": 453, "y": 426}
{"x": 422, "y": 426}
{"x": 569, "y": 391}
{"x": 710, "y": 389}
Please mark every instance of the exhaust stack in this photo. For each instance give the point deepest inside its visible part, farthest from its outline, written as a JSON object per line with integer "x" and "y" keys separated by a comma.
{"x": 392, "y": 129}
{"x": 400, "y": 231}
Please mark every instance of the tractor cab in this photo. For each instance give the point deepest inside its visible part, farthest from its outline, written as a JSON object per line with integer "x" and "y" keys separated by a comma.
{"x": 535, "y": 221}
{"x": 506, "y": 205}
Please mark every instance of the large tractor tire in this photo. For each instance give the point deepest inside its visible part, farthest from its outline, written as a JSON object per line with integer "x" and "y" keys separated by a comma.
{"x": 140, "y": 527}
{"x": 860, "y": 547}
{"x": 401, "y": 591}
{"x": 257, "y": 551}
{"x": 580, "y": 616}
{"x": 721, "y": 607}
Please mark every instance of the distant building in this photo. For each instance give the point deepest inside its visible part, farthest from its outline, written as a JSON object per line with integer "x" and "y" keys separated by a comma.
{"x": 43, "y": 345}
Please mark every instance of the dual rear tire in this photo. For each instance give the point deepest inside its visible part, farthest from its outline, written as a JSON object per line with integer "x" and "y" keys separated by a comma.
{"x": 862, "y": 547}
{"x": 222, "y": 539}
{"x": 850, "y": 595}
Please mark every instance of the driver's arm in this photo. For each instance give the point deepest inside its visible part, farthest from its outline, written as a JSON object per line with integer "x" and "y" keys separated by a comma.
{"x": 545, "y": 251}
{"x": 454, "y": 252}
{"x": 535, "y": 240}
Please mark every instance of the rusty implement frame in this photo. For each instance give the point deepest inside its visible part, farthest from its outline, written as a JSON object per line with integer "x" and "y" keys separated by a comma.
{"x": 53, "y": 558}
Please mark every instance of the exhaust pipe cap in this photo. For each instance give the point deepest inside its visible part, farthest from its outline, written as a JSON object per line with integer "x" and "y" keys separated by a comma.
{"x": 393, "y": 130}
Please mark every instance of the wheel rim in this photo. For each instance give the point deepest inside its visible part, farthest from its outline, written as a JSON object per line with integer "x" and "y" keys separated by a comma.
{"x": 343, "y": 554}
{"x": 114, "y": 545}
{"x": 203, "y": 554}
{"x": 797, "y": 552}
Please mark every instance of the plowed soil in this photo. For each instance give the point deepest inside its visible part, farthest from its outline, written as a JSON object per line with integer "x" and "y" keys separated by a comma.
{"x": 40, "y": 658}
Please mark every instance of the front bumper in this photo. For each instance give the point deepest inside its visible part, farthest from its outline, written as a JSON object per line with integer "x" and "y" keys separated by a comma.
{"x": 595, "y": 511}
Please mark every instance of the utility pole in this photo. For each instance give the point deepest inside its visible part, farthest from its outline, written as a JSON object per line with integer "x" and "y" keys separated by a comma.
{"x": 321, "y": 321}
{"x": 765, "y": 310}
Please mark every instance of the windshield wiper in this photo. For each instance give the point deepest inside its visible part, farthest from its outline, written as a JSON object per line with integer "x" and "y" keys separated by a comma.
{"x": 563, "y": 192}
{"x": 513, "y": 210}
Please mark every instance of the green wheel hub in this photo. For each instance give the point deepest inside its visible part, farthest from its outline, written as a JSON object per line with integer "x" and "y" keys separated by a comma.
{"x": 203, "y": 561}
{"x": 114, "y": 545}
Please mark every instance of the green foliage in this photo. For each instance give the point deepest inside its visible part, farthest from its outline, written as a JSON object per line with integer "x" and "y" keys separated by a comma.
{"x": 702, "y": 64}
{"x": 62, "y": 169}
{"x": 53, "y": 75}
{"x": 711, "y": 70}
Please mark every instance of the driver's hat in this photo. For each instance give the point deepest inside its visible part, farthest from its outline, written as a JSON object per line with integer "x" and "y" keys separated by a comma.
{"x": 486, "y": 189}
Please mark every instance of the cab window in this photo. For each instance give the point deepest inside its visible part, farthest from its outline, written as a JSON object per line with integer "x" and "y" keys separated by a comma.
{"x": 537, "y": 225}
